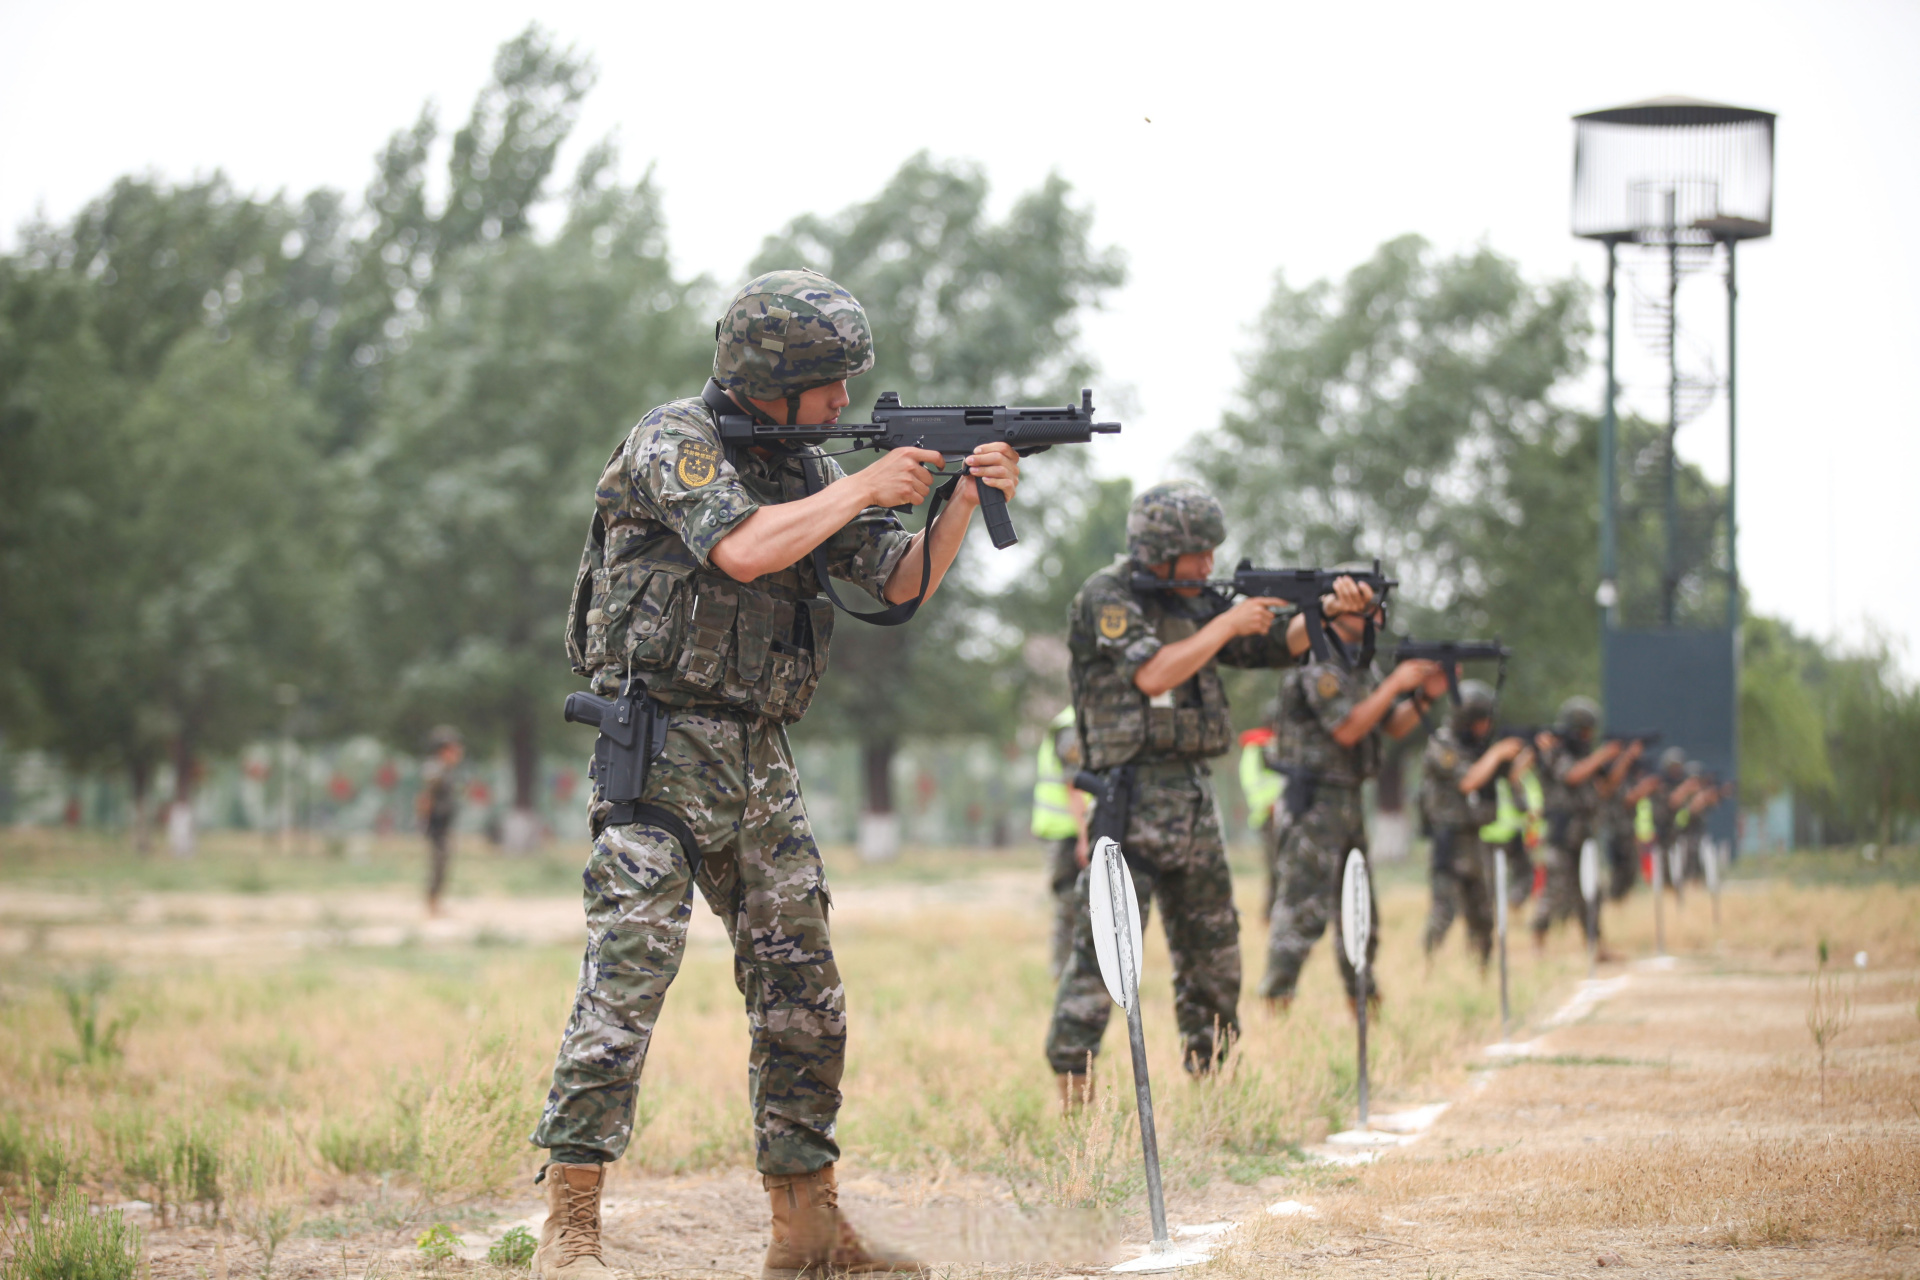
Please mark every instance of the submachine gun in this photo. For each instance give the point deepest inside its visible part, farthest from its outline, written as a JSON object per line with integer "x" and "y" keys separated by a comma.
{"x": 951, "y": 430}
{"x": 1302, "y": 588}
{"x": 1450, "y": 653}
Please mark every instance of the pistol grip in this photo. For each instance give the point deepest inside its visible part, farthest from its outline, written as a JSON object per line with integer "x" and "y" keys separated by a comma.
{"x": 993, "y": 505}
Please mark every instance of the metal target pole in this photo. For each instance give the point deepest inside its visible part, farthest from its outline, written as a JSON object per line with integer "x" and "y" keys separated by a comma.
{"x": 1115, "y": 913}
{"x": 1500, "y": 912}
{"x": 1356, "y": 930}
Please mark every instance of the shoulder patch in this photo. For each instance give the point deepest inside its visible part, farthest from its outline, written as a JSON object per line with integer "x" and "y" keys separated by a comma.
{"x": 1448, "y": 759}
{"x": 1113, "y": 621}
{"x": 1329, "y": 684}
{"x": 697, "y": 464}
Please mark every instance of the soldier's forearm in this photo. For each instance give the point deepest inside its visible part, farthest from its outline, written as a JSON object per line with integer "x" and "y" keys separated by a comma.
{"x": 777, "y": 536}
{"x": 949, "y": 531}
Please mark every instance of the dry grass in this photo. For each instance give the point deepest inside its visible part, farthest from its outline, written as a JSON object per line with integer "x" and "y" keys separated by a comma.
{"x": 343, "y": 1091}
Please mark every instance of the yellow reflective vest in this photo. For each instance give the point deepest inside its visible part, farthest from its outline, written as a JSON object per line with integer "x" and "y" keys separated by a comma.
{"x": 1643, "y": 828}
{"x": 1052, "y": 820}
{"x": 1509, "y": 819}
{"x": 1261, "y": 786}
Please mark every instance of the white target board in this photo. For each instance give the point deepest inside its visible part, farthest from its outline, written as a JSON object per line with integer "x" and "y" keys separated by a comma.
{"x": 1112, "y": 904}
{"x": 1590, "y": 871}
{"x": 1356, "y": 909}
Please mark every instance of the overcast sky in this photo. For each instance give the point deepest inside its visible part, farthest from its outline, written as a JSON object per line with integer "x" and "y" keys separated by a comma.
{"x": 1217, "y": 145}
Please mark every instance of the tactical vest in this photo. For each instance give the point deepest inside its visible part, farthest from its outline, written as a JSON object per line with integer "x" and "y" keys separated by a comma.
{"x": 1303, "y": 746}
{"x": 1121, "y": 725}
{"x": 694, "y": 636}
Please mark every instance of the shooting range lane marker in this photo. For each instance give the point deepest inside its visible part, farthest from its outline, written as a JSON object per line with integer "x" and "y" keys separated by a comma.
{"x": 1292, "y": 1209}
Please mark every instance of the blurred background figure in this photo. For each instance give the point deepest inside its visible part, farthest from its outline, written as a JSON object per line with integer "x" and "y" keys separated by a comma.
{"x": 438, "y": 804}
{"x": 1060, "y": 818}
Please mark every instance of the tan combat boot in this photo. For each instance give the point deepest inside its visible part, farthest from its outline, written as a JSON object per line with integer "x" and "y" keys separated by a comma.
{"x": 1076, "y": 1091}
{"x": 570, "y": 1237}
{"x": 811, "y": 1239}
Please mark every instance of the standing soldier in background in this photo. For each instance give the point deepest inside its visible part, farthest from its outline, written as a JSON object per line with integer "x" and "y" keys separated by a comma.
{"x": 700, "y": 589}
{"x": 1326, "y": 744}
{"x": 1151, "y": 711}
{"x": 438, "y": 804}
{"x": 1457, "y": 801}
{"x": 1570, "y": 769}
{"x": 1060, "y": 817}
{"x": 1517, "y": 824}
{"x": 1631, "y": 814}
{"x": 1666, "y": 802}
{"x": 1614, "y": 827}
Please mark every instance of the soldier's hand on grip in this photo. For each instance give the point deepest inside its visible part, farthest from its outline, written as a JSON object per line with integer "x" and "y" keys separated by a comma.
{"x": 1252, "y": 616}
{"x": 900, "y": 478}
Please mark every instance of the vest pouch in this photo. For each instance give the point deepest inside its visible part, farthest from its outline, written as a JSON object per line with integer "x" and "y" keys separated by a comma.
{"x": 613, "y": 595}
{"x": 1216, "y": 721}
{"x": 1114, "y": 714}
{"x": 788, "y": 684}
{"x": 1162, "y": 727}
{"x": 1187, "y": 731}
{"x": 703, "y": 657}
{"x": 652, "y": 618}
{"x": 752, "y": 633}
{"x": 588, "y": 647}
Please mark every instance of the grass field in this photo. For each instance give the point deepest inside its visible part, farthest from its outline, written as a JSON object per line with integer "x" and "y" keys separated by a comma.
{"x": 281, "y": 1058}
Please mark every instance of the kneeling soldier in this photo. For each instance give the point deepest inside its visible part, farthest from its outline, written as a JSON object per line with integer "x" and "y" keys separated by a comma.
{"x": 1151, "y": 711}
{"x": 698, "y": 591}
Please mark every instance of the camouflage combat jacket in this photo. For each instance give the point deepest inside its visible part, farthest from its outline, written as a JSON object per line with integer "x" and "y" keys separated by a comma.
{"x": 1111, "y": 631}
{"x": 1314, "y": 699}
{"x": 1447, "y": 761}
{"x": 648, "y": 598}
{"x": 1560, "y": 796}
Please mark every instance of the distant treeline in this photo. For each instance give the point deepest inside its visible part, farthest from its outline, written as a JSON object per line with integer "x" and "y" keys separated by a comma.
{"x": 321, "y": 466}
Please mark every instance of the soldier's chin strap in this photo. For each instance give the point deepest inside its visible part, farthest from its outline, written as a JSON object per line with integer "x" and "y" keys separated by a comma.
{"x": 719, "y": 402}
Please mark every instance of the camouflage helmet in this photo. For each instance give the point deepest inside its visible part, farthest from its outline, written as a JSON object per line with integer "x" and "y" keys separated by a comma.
{"x": 1476, "y": 703}
{"x": 1673, "y": 759}
{"x": 444, "y": 736}
{"x": 1174, "y": 519}
{"x": 1578, "y": 717}
{"x": 788, "y": 332}
{"x": 1695, "y": 769}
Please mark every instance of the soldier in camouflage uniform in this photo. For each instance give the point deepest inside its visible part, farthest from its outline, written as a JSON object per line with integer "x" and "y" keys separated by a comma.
{"x": 1326, "y": 743}
{"x": 1456, "y": 801}
{"x": 697, "y": 584}
{"x": 1149, "y": 704}
{"x": 1568, "y": 771}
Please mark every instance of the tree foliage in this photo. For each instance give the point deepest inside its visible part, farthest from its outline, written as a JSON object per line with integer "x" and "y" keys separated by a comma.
{"x": 965, "y": 310}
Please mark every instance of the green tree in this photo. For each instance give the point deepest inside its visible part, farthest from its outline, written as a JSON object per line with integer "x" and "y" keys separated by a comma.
{"x": 114, "y": 324}
{"x": 1873, "y": 740}
{"x": 1783, "y": 745}
{"x": 474, "y": 484}
{"x": 1408, "y": 413}
{"x": 965, "y": 310}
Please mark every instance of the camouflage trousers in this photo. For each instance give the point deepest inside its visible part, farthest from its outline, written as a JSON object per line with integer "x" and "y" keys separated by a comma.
{"x": 1462, "y": 877}
{"x": 1063, "y": 874}
{"x": 1309, "y": 858}
{"x": 1562, "y": 900}
{"x": 1177, "y": 859}
{"x": 732, "y": 779}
